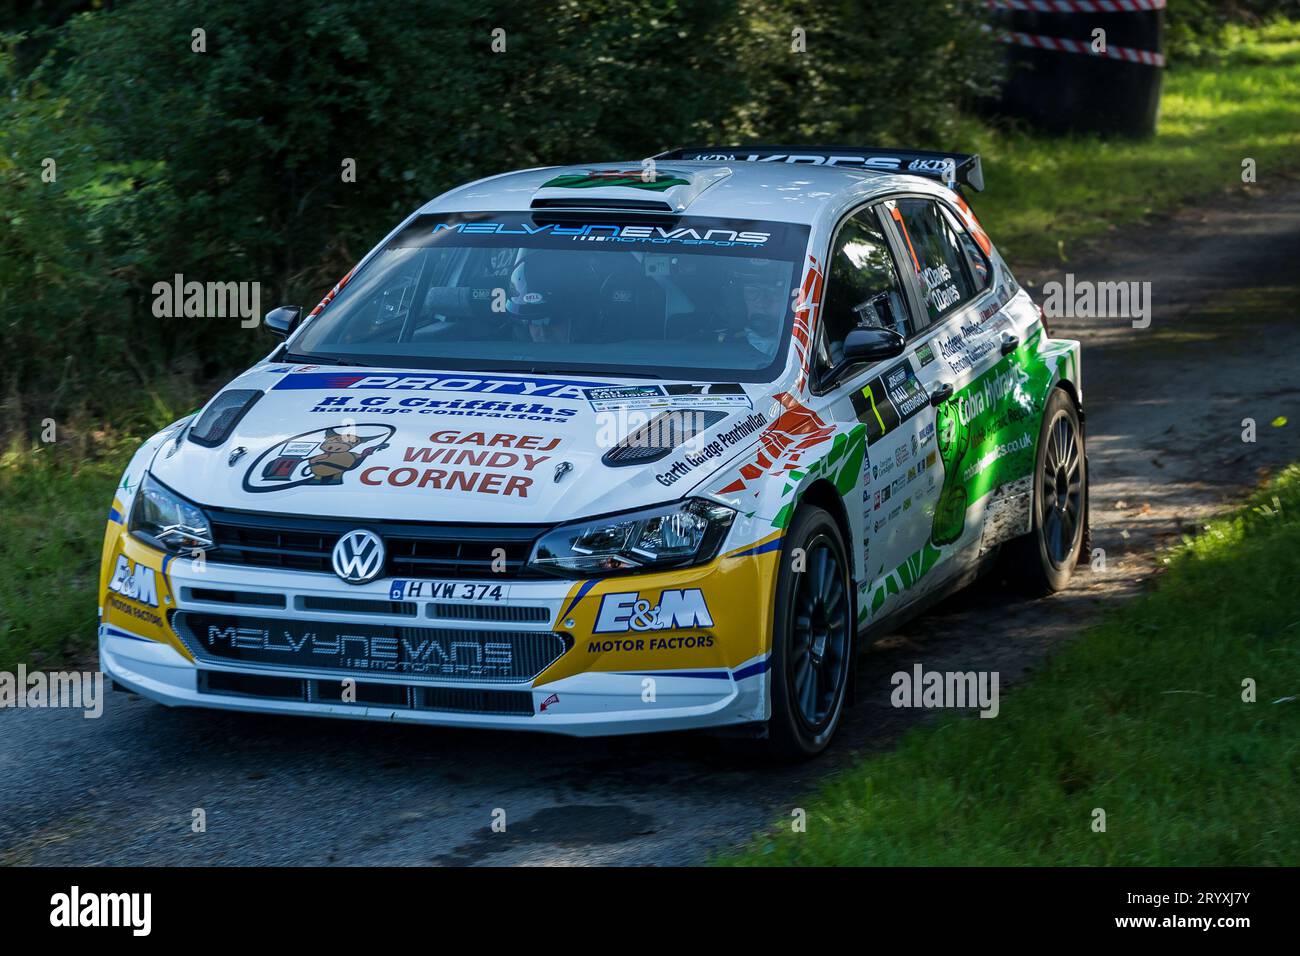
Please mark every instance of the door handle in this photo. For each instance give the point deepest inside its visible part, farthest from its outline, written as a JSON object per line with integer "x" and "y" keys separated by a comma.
{"x": 1009, "y": 343}
{"x": 942, "y": 392}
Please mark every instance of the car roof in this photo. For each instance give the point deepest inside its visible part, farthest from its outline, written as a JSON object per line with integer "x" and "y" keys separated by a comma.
{"x": 776, "y": 192}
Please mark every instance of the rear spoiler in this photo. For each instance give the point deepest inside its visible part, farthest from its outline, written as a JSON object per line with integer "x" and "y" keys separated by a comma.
{"x": 951, "y": 168}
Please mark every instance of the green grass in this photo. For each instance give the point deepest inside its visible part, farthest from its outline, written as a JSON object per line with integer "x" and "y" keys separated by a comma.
{"x": 1142, "y": 717}
{"x": 1044, "y": 190}
{"x": 56, "y": 498}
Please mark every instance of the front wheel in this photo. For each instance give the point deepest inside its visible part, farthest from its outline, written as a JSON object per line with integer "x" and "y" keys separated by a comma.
{"x": 1043, "y": 560}
{"x": 812, "y": 640}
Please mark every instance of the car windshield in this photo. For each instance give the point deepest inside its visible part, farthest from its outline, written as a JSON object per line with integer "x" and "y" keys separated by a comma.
{"x": 676, "y": 297}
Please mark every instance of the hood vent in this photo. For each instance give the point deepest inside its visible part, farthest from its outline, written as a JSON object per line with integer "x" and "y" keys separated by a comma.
{"x": 659, "y": 436}
{"x": 222, "y": 415}
{"x": 624, "y": 205}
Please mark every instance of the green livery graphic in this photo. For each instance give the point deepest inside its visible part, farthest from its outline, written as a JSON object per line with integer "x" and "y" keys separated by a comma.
{"x": 950, "y": 510}
{"x": 901, "y": 578}
{"x": 987, "y": 435}
{"x": 841, "y": 465}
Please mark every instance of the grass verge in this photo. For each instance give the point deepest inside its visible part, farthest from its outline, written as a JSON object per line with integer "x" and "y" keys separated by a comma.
{"x": 56, "y": 498}
{"x": 1142, "y": 717}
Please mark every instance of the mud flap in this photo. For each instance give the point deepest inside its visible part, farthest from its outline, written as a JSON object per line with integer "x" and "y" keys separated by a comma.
{"x": 1085, "y": 550}
{"x": 1007, "y": 514}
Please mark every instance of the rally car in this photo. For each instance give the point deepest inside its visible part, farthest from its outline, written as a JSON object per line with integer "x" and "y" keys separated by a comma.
{"x": 607, "y": 449}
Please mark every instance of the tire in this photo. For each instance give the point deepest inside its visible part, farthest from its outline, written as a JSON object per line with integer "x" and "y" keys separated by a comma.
{"x": 812, "y": 638}
{"x": 1042, "y": 561}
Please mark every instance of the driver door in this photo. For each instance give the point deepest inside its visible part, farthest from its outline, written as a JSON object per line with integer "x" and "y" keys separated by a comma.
{"x": 894, "y": 504}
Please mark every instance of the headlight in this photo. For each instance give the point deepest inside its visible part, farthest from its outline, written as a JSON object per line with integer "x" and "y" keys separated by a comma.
{"x": 167, "y": 521}
{"x": 668, "y": 536}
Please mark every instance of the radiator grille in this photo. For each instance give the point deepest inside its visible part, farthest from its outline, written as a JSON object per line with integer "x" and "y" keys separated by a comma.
{"x": 460, "y": 700}
{"x": 414, "y": 550}
{"x": 491, "y": 612}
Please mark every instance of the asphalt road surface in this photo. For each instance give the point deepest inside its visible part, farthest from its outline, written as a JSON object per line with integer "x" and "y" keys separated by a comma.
{"x": 1165, "y": 408}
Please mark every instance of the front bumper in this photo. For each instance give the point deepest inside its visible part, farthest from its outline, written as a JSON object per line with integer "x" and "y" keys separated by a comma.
{"x": 594, "y": 704}
{"x": 704, "y": 666}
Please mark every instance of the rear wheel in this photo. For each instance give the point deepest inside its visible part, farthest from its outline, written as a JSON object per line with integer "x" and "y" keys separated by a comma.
{"x": 812, "y": 641}
{"x": 1043, "y": 560}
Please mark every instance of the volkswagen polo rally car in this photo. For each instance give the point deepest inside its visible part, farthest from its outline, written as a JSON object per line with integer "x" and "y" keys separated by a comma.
{"x": 609, "y": 449}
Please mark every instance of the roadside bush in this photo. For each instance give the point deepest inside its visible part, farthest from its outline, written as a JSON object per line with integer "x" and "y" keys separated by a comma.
{"x": 889, "y": 72}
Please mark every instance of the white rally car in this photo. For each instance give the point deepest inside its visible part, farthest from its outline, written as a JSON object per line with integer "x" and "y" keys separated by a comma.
{"x": 610, "y": 449}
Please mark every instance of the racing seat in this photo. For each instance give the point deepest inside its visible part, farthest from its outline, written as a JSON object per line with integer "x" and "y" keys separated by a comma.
{"x": 467, "y": 308}
{"x": 631, "y": 307}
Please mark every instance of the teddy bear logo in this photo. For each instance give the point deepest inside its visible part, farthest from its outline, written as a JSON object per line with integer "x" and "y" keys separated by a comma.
{"x": 336, "y": 457}
{"x": 316, "y": 458}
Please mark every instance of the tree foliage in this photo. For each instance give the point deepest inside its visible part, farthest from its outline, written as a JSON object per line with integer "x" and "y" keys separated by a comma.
{"x": 1194, "y": 29}
{"x": 225, "y": 165}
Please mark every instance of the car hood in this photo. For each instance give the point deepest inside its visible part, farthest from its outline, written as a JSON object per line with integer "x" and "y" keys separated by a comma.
{"x": 461, "y": 447}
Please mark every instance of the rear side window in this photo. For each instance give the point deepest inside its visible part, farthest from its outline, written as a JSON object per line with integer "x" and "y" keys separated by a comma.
{"x": 981, "y": 273}
{"x": 937, "y": 254}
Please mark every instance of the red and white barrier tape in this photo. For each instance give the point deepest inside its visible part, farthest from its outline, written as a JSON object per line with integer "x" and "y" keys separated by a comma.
{"x": 1078, "y": 6}
{"x": 1062, "y": 45}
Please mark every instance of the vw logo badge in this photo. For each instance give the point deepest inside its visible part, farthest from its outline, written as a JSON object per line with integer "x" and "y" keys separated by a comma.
{"x": 359, "y": 556}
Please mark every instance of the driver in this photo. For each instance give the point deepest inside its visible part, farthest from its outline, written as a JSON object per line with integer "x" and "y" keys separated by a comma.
{"x": 766, "y": 302}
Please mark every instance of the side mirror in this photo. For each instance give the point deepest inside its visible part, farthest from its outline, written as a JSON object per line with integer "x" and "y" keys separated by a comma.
{"x": 868, "y": 344}
{"x": 283, "y": 320}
